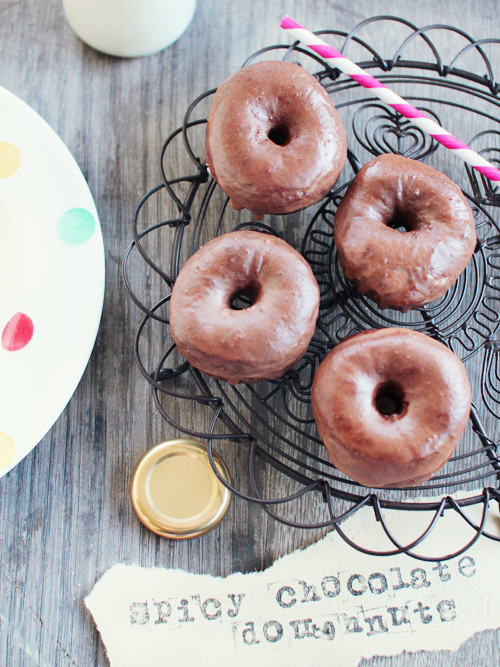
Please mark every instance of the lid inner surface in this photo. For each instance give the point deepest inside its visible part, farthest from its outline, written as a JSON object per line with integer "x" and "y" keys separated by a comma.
{"x": 181, "y": 487}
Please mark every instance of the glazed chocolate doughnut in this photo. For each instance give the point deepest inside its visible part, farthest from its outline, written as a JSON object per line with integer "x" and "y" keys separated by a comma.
{"x": 257, "y": 343}
{"x": 403, "y": 270}
{"x": 274, "y": 142}
{"x": 390, "y": 406}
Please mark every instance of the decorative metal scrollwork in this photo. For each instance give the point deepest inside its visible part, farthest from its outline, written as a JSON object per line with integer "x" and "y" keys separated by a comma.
{"x": 380, "y": 130}
{"x": 490, "y": 380}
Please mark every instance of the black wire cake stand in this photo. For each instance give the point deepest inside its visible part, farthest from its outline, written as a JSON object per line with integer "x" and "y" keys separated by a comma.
{"x": 271, "y": 423}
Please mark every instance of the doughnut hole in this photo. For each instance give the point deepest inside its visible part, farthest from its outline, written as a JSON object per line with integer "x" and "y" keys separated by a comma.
{"x": 389, "y": 400}
{"x": 399, "y": 225}
{"x": 244, "y": 297}
{"x": 403, "y": 221}
{"x": 280, "y": 135}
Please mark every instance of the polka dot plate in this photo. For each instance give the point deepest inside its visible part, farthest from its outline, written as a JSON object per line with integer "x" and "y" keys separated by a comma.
{"x": 51, "y": 278}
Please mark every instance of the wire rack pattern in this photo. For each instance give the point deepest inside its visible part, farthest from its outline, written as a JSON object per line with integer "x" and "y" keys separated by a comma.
{"x": 271, "y": 421}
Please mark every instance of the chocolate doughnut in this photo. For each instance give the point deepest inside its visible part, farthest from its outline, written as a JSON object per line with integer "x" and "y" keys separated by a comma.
{"x": 390, "y": 406}
{"x": 274, "y": 142}
{"x": 256, "y": 343}
{"x": 403, "y": 270}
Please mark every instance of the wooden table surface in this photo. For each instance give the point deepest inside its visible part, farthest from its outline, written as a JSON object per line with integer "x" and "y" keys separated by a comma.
{"x": 65, "y": 510}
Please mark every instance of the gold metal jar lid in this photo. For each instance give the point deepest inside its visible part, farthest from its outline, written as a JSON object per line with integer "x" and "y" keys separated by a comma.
{"x": 175, "y": 492}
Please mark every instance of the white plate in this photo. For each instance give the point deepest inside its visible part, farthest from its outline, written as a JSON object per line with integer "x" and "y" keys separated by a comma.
{"x": 51, "y": 271}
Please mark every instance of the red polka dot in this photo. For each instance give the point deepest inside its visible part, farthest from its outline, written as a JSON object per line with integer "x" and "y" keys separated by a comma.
{"x": 17, "y": 333}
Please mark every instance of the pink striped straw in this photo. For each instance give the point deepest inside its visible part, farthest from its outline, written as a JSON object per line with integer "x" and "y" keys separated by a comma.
{"x": 336, "y": 59}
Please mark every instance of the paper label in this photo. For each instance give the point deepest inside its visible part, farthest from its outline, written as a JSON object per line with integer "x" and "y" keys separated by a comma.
{"x": 323, "y": 602}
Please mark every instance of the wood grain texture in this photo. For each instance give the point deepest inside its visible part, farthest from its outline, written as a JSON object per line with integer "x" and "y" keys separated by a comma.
{"x": 65, "y": 511}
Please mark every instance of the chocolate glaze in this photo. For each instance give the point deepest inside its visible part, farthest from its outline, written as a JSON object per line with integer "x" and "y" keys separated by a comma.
{"x": 281, "y": 100}
{"x": 403, "y": 270}
{"x": 260, "y": 342}
{"x": 431, "y": 400}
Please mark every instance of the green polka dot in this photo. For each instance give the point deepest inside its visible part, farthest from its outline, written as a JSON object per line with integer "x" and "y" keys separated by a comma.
{"x": 75, "y": 226}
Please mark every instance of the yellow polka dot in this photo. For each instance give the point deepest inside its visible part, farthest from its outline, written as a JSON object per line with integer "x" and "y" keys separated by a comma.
{"x": 10, "y": 159}
{"x": 7, "y": 450}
